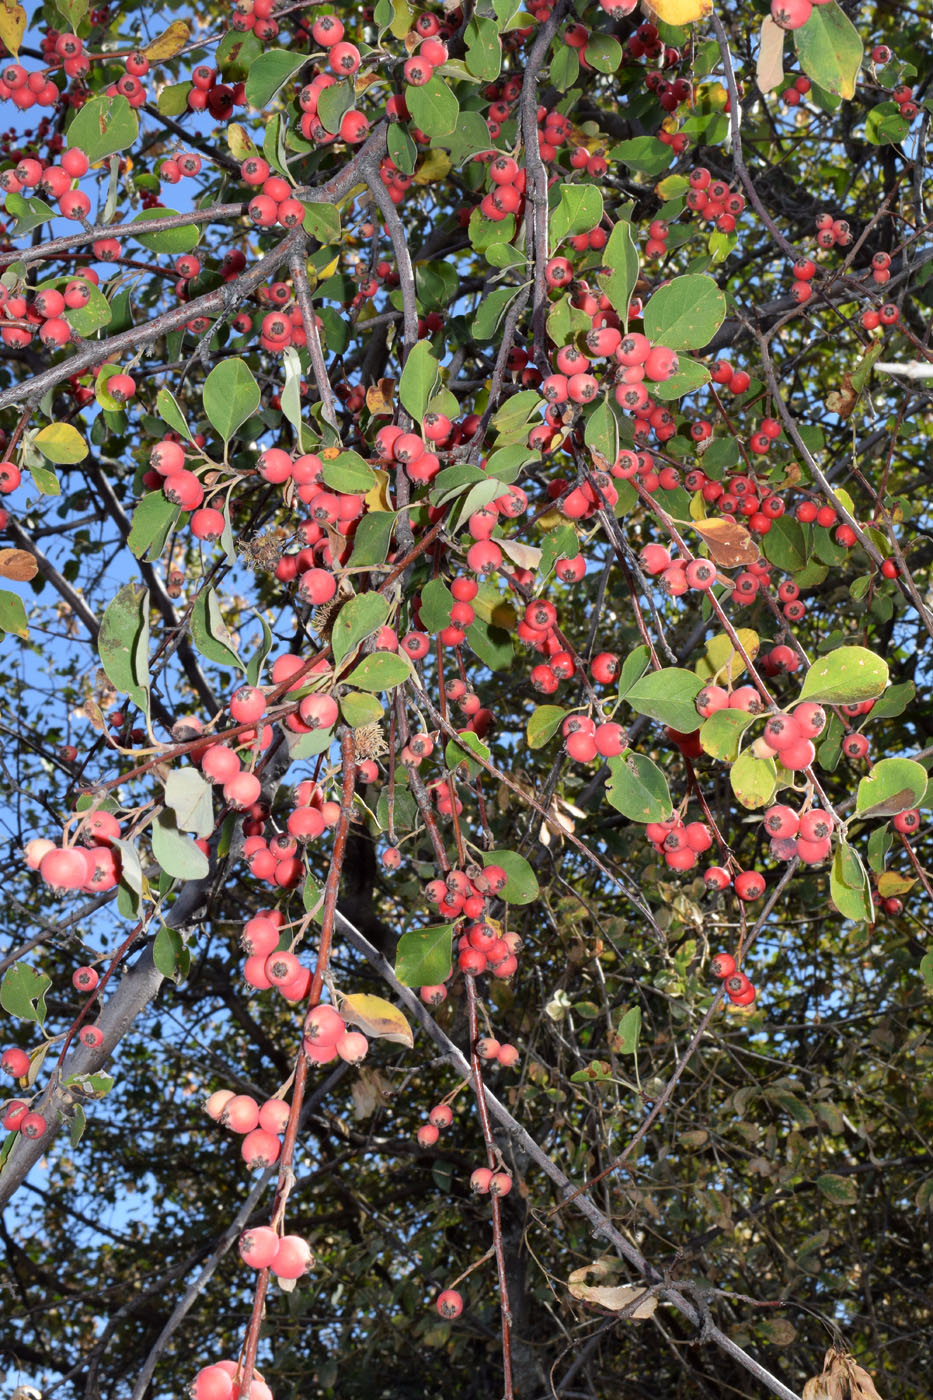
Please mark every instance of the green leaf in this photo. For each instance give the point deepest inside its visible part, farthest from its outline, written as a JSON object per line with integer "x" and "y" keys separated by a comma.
{"x": 893, "y": 785}
{"x": 491, "y": 311}
{"x": 894, "y": 701}
{"x": 359, "y": 618}
{"x": 173, "y": 100}
{"x": 850, "y": 886}
{"x": 210, "y": 633}
{"x": 104, "y": 125}
{"x": 402, "y": 149}
{"x": 358, "y": 709}
{"x": 382, "y": 670}
{"x": 434, "y": 108}
{"x": 686, "y": 313}
{"x": 372, "y": 539}
{"x": 646, "y": 155}
{"x": 785, "y": 545}
{"x": 841, "y": 1190}
{"x": 543, "y": 724}
{"x": 171, "y": 241}
{"x": 926, "y": 970}
{"x": 620, "y": 256}
{"x": 77, "y": 1125}
{"x": 884, "y": 124}
{"x": 28, "y": 212}
{"x": 230, "y": 396}
{"x": 419, "y": 380}
{"x": 668, "y": 695}
{"x": 269, "y": 73}
{"x": 45, "y": 481}
{"x": 189, "y": 797}
{"x": 579, "y": 209}
{"x": 310, "y": 745}
{"x": 492, "y": 644}
{"x": 123, "y": 643}
{"x": 603, "y": 52}
{"x": 637, "y": 788}
{"x": 152, "y": 519}
{"x": 754, "y": 780}
{"x": 521, "y": 887}
{"x": 349, "y": 473}
{"x": 469, "y": 137}
{"x": 845, "y": 675}
{"x": 423, "y": 957}
{"x": 176, "y": 852}
{"x": 322, "y": 221}
{"x": 22, "y": 992}
{"x": 830, "y": 50}
{"x": 436, "y": 603}
{"x": 169, "y": 953}
{"x": 483, "y": 49}
{"x": 720, "y": 734}
{"x": 690, "y": 376}
{"x": 629, "y": 1030}
{"x": 61, "y": 443}
{"x": 633, "y": 668}
{"x": 333, "y": 104}
{"x": 168, "y": 409}
{"x": 91, "y": 317}
{"x": 461, "y": 753}
{"x": 13, "y": 614}
{"x": 565, "y": 68}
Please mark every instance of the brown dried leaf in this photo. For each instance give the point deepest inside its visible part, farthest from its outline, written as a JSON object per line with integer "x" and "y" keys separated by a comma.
{"x": 615, "y": 1297}
{"x": 17, "y": 564}
{"x": 370, "y": 1091}
{"x": 863, "y": 1385}
{"x": 729, "y": 543}
{"x": 842, "y": 401}
{"x": 770, "y": 72}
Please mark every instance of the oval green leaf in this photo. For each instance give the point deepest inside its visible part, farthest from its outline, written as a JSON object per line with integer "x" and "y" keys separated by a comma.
{"x": 844, "y": 676}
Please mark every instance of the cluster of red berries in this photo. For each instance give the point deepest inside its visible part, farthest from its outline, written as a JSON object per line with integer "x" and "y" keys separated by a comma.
{"x": 219, "y": 1381}
{"x": 798, "y": 89}
{"x": 806, "y": 835}
{"x": 903, "y": 95}
{"x": 93, "y": 868}
{"x": 738, "y": 988}
{"x": 327, "y": 1037}
{"x": 257, "y": 17}
{"x": 714, "y": 201}
{"x": 288, "y": 1256}
{"x": 679, "y": 843}
{"x": 258, "y": 1125}
{"x": 887, "y": 315}
{"x": 207, "y": 94}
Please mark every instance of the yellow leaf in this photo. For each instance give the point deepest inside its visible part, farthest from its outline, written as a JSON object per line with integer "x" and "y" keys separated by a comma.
{"x": 697, "y": 506}
{"x": 435, "y": 166}
{"x": 377, "y": 497}
{"x": 12, "y": 25}
{"x": 678, "y": 11}
{"x": 240, "y": 142}
{"x": 62, "y": 443}
{"x": 402, "y": 19}
{"x": 314, "y": 277}
{"x": 380, "y": 398}
{"x": 377, "y": 1017}
{"x": 168, "y": 44}
{"x": 721, "y": 662}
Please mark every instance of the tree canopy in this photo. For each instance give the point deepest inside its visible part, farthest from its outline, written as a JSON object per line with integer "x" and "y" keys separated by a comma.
{"x": 465, "y": 665}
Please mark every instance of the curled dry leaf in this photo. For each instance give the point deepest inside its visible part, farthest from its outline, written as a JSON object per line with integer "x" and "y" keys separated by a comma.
{"x": 616, "y": 1297}
{"x": 377, "y": 1017}
{"x": 17, "y": 564}
{"x": 729, "y": 544}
